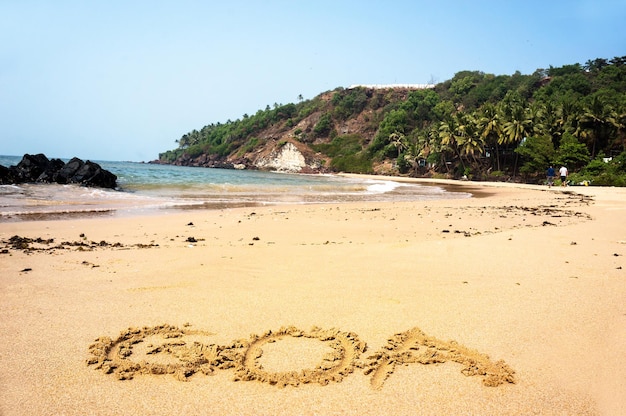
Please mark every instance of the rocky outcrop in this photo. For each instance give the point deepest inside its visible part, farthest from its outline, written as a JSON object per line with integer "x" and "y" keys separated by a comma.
{"x": 38, "y": 168}
{"x": 285, "y": 159}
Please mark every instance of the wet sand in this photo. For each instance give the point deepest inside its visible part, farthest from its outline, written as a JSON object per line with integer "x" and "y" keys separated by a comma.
{"x": 511, "y": 303}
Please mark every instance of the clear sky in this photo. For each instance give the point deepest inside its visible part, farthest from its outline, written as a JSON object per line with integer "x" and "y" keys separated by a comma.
{"x": 122, "y": 80}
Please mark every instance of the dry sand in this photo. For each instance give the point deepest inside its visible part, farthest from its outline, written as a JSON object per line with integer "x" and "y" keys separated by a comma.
{"x": 510, "y": 303}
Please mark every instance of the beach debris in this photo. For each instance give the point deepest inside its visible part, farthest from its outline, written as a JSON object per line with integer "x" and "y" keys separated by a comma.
{"x": 25, "y": 270}
{"x": 38, "y": 244}
{"x": 191, "y": 240}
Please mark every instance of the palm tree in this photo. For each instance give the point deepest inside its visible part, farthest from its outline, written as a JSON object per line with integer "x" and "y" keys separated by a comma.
{"x": 517, "y": 127}
{"x": 536, "y": 112}
{"x": 447, "y": 134}
{"x": 567, "y": 113}
{"x": 469, "y": 139}
{"x": 398, "y": 140}
{"x": 600, "y": 120}
{"x": 490, "y": 128}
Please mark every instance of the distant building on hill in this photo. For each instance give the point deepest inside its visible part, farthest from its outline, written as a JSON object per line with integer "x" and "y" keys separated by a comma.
{"x": 388, "y": 86}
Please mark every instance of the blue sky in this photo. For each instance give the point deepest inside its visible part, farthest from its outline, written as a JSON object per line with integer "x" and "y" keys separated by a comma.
{"x": 122, "y": 80}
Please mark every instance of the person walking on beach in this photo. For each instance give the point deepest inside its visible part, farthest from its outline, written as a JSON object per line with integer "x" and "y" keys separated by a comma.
{"x": 563, "y": 174}
{"x": 551, "y": 174}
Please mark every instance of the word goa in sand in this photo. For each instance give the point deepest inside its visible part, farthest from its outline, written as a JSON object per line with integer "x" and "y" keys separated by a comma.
{"x": 167, "y": 349}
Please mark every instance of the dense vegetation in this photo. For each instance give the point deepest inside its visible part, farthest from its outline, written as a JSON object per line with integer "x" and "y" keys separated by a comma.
{"x": 482, "y": 126}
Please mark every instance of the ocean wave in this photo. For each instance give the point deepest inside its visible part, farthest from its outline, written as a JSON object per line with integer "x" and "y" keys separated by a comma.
{"x": 381, "y": 187}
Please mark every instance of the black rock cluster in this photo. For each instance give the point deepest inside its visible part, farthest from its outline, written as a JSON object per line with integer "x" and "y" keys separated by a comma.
{"x": 39, "y": 169}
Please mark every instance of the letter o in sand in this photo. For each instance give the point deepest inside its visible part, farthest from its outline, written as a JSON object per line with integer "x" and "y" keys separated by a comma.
{"x": 346, "y": 346}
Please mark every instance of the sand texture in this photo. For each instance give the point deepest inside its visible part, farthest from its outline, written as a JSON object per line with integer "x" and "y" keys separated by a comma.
{"x": 512, "y": 302}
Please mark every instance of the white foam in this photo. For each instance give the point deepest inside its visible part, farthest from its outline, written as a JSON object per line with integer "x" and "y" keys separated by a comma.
{"x": 381, "y": 187}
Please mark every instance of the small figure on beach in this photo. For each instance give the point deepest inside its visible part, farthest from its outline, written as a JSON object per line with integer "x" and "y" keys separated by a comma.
{"x": 551, "y": 174}
{"x": 563, "y": 175}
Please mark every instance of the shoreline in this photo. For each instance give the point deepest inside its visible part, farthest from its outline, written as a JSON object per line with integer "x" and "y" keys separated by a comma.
{"x": 52, "y": 201}
{"x": 529, "y": 276}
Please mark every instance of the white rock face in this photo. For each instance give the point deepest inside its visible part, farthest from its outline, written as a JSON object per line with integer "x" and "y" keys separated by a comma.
{"x": 287, "y": 159}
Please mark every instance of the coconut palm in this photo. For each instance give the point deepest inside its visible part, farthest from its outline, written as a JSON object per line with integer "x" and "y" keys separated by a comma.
{"x": 469, "y": 139}
{"x": 517, "y": 126}
{"x": 448, "y": 137}
{"x": 600, "y": 120}
{"x": 398, "y": 140}
{"x": 490, "y": 128}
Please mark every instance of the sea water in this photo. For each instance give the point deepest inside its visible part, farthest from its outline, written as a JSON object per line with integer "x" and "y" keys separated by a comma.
{"x": 150, "y": 188}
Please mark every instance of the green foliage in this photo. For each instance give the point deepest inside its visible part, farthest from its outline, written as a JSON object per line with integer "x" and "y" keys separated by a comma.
{"x": 603, "y": 171}
{"x": 537, "y": 154}
{"x": 323, "y": 126}
{"x": 595, "y": 167}
{"x": 462, "y": 83}
{"x": 356, "y": 163}
{"x": 349, "y": 102}
{"x": 195, "y": 150}
{"x": 346, "y": 153}
{"x": 252, "y": 143}
{"x": 396, "y": 121}
{"x": 170, "y": 156}
{"x": 404, "y": 163}
{"x": 571, "y": 153}
{"x": 340, "y": 146}
{"x": 420, "y": 107}
{"x": 618, "y": 164}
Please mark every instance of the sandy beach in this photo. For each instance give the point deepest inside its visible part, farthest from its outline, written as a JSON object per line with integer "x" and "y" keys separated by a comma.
{"x": 512, "y": 302}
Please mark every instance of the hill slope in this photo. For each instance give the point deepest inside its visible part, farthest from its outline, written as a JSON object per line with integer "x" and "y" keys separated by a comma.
{"x": 477, "y": 125}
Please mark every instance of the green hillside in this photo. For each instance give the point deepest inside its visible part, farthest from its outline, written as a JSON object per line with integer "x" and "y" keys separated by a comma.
{"x": 478, "y": 125}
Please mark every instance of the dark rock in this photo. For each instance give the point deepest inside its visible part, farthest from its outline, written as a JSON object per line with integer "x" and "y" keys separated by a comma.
{"x": 6, "y": 176}
{"x": 38, "y": 168}
{"x": 67, "y": 172}
{"x": 85, "y": 173}
{"x": 31, "y": 166}
{"x": 48, "y": 174}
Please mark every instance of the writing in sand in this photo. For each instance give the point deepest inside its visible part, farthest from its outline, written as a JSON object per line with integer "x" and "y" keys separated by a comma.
{"x": 167, "y": 349}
